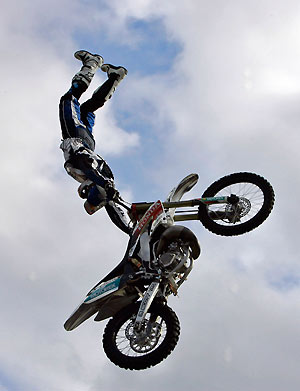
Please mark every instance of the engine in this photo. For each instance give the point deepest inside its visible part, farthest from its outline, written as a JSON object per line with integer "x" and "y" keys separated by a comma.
{"x": 175, "y": 258}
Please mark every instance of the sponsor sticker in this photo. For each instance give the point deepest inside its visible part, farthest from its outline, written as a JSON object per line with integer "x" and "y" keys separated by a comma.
{"x": 104, "y": 289}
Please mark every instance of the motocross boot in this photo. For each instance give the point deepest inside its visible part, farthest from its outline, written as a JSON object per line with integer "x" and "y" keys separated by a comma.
{"x": 115, "y": 73}
{"x": 90, "y": 64}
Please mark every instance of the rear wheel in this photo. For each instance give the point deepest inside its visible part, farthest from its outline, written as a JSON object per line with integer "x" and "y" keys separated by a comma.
{"x": 251, "y": 202}
{"x": 140, "y": 349}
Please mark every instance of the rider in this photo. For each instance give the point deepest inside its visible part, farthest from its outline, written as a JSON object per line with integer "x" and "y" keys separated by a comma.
{"x": 78, "y": 144}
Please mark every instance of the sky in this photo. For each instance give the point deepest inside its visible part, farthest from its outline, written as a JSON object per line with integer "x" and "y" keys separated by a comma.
{"x": 212, "y": 88}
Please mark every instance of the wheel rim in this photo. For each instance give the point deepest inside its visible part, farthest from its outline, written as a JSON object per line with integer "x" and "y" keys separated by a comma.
{"x": 251, "y": 201}
{"x": 135, "y": 344}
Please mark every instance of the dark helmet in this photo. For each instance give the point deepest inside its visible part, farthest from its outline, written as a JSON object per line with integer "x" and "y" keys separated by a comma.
{"x": 96, "y": 198}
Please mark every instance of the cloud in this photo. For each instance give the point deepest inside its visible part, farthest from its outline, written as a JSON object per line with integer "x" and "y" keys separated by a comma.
{"x": 227, "y": 101}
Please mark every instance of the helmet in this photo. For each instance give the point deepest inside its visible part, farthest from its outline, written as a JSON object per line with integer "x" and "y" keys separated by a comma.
{"x": 96, "y": 198}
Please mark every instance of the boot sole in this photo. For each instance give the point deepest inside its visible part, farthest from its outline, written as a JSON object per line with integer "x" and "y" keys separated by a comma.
{"x": 82, "y": 53}
{"x": 107, "y": 67}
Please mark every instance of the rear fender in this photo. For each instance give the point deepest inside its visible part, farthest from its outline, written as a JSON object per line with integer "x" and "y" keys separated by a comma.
{"x": 183, "y": 187}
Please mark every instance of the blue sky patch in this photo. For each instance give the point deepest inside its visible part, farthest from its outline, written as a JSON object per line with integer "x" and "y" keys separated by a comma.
{"x": 8, "y": 382}
{"x": 153, "y": 51}
{"x": 285, "y": 282}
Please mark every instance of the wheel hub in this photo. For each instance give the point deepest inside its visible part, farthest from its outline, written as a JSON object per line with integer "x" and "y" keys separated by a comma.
{"x": 144, "y": 340}
{"x": 236, "y": 211}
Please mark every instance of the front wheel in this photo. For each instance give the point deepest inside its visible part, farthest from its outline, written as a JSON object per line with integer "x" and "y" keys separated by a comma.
{"x": 252, "y": 201}
{"x": 140, "y": 349}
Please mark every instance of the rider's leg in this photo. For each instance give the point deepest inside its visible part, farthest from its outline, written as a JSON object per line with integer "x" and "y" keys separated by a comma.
{"x": 105, "y": 91}
{"x": 69, "y": 108}
{"x": 90, "y": 64}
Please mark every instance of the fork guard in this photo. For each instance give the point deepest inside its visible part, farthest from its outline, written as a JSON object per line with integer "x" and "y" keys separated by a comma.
{"x": 177, "y": 232}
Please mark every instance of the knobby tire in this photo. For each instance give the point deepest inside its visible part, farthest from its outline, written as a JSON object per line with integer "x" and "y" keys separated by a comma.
{"x": 243, "y": 227}
{"x": 151, "y": 358}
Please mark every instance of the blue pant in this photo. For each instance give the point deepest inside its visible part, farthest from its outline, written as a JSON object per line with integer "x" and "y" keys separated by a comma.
{"x": 76, "y": 118}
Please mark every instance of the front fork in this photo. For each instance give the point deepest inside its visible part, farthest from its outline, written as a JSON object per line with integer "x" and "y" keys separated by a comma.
{"x": 145, "y": 304}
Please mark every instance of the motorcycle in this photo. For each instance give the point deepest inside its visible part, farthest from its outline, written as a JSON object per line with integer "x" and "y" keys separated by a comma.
{"x": 143, "y": 329}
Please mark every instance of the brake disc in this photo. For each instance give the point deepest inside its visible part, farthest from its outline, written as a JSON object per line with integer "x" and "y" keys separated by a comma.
{"x": 235, "y": 212}
{"x": 144, "y": 340}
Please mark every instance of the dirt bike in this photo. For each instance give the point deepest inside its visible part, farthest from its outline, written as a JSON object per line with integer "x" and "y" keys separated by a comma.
{"x": 143, "y": 329}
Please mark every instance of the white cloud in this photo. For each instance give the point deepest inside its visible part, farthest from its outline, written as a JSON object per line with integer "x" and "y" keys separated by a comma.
{"x": 229, "y": 103}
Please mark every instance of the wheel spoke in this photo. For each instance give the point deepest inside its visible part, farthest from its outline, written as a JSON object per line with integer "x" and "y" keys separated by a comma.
{"x": 248, "y": 191}
{"x": 133, "y": 344}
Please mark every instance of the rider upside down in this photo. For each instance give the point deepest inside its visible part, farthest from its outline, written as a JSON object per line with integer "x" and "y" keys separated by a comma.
{"x": 78, "y": 143}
